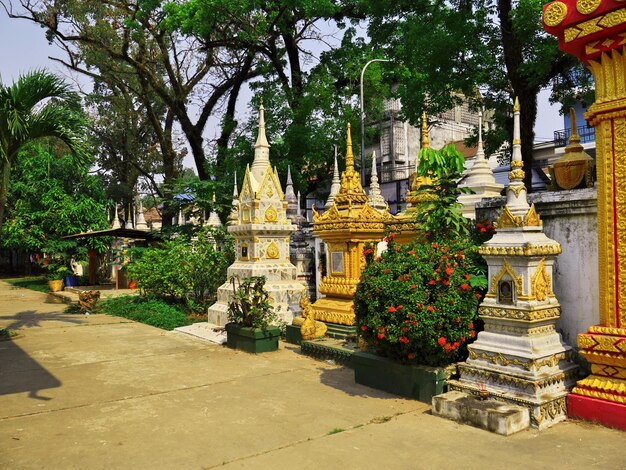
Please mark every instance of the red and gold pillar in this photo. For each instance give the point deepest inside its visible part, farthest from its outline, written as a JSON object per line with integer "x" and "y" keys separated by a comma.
{"x": 595, "y": 32}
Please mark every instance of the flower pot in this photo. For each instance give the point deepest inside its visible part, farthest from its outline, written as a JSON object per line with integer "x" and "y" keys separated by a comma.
{"x": 71, "y": 281}
{"x": 407, "y": 380}
{"x": 253, "y": 340}
{"x": 56, "y": 285}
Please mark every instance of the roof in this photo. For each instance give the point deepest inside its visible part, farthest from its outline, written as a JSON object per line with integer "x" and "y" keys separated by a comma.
{"x": 467, "y": 152}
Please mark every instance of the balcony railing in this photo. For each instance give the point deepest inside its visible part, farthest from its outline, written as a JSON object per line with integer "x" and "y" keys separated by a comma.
{"x": 561, "y": 137}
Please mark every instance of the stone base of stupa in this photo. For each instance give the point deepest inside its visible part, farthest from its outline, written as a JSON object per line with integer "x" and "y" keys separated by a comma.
{"x": 532, "y": 370}
{"x": 468, "y": 201}
{"x": 281, "y": 285}
{"x": 335, "y": 310}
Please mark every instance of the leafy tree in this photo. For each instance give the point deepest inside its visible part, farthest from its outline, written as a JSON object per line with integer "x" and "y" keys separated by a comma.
{"x": 51, "y": 196}
{"x": 37, "y": 105}
{"x": 445, "y": 51}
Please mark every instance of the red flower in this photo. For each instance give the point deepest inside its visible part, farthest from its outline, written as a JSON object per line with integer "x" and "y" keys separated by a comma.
{"x": 412, "y": 252}
{"x": 448, "y": 348}
{"x": 446, "y": 282}
{"x": 183, "y": 263}
{"x": 450, "y": 302}
{"x": 404, "y": 328}
{"x": 413, "y": 286}
{"x": 381, "y": 335}
{"x": 45, "y": 262}
{"x": 462, "y": 339}
{"x": 403, "y": 339}
{"x": 407, "y": 277}
{"x": 456, "y": 344}
{"x": 387, "y": 271}
{"x": 435, "y": 246}
{"x": 471, "y": 325}
{"x": 478, "y": 295}
{"x": 441, "y": 341}
{"x": 483, "y": 230}
{"x": 465, "y": 287}
{"x": 400, "y": 307}
{"x": 472, "y": 334}
{"x": 432, "y": 282}
{"x": 363, "y": 328}
{"x": 391, "y": 309}
{"x": 457, "y": 319}
{"x": 411, "y": 356}
{"x": 449, "y": 271}
{"x": 430, "y": 308}
{"x": 467, "y": 276}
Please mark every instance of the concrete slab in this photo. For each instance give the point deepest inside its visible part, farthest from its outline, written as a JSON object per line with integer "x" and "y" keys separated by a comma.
{"x": 491, "y": 415}
{"x": 203, "y": 330}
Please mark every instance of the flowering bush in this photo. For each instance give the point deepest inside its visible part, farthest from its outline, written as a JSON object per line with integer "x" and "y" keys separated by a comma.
{"x": 418, "y": 303}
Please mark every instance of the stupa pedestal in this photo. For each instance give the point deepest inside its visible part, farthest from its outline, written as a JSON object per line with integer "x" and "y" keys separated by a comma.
{"x": 594, "y": 32}
{"x": 520, "y": 358}
{"x": 346, "y": 227}
{"x": 261, "y": 229}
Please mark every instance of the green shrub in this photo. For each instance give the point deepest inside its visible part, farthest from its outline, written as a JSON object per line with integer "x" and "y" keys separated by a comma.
{"x": 250, "y": 305}
{"x": 150, "y": 311}
{"x": 184, "y": 269}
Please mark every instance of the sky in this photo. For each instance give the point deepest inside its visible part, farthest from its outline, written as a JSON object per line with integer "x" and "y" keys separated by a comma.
{"x": 23, "y": 47}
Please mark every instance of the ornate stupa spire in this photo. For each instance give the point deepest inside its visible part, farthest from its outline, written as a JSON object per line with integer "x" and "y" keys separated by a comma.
{"x": 116, "y": 219}
{"x": 290, "y": 197}
{"x": 425, "y": 140}
{"x": 517, "y": 211}
{"x": 375, "y": 198}
{"x": 261, "y": 149}
{"x": 140, "y": 219}
{"x": 416, "y": 181}
{"x": 351, "y": 191}
{"x": 214, "y": 219}
{"x": 233, "y": 217}
{"x": 335, "y": 186}
{"x": 479, "y": 178}
{"x": 129, "y": 219}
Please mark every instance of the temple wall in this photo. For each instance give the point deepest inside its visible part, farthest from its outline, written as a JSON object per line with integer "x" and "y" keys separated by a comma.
{"x": 569, "y": 217}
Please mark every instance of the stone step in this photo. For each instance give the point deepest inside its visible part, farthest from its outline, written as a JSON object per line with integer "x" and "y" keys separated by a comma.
{"x": 491, "y": 415}
{"x": 329, "y": 349}
{"x": 340, "y": 331}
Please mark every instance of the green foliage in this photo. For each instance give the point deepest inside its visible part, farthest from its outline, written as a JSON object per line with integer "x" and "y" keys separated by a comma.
{"x": 52, "y": 196}
{"x": 250, "y": 304}
{"x": 150, "y": 311}
{"x": 417, "y": 303}
{"x": 186, "y": 269}
{"x": 440, "y": 214}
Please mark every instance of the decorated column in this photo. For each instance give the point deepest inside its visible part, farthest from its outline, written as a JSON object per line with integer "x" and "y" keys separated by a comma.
{"x": 595, "y": 32}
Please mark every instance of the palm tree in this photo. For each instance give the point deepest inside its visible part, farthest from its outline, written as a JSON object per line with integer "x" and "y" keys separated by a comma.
{"x": 38, "y": 105}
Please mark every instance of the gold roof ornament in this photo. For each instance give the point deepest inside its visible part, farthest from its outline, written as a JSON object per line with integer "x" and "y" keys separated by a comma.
{"x": 351, "y": 191}
{"x": 575, "y": 168}
{"x": 417, "y": 181}
{"x": 425, "y": 141}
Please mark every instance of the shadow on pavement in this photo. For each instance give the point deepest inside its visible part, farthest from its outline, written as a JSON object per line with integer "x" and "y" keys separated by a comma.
{"x": 343, "y": 379}
{"x": 21, "y": 373}
{"x": 32, "y": 318}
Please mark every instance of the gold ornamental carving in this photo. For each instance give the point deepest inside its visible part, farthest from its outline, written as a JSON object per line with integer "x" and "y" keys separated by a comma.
{"x": 534, "y": 250}
{"x": 334, "y": 317}
{"x": 555, "y": 13}
{"x": 270, "y": 214}
{"x": 517, "y": 314}
{"x": 541, "y": 284}
{"x": 508, "y": 220}
{"x": 516, "y": 174}
{"x": 527, "y": 364}
{"x": 594, "y": 25}
{"x": 516, "y": 189}
{"x": 586, "y": 7}
{"x": 610, "y": 389}
{"x": 270, "y": 191}
{"x": 507, "y": 269}
{"x": 272, "y": 251}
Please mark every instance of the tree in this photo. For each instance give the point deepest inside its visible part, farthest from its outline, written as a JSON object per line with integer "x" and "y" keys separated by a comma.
{"x": 26, "y": 116}
{"x": 52, "y": 196}
{"x": 487, "y": 51}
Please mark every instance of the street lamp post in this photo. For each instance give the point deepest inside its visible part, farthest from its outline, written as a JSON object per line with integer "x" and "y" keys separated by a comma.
{"x": 363, "y": 119}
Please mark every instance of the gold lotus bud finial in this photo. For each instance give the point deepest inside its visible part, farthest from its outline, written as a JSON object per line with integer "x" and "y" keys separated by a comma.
{"x": 425, "y": 142}
{"x": 516, "y": 107}
{"x": 349, "y": 154}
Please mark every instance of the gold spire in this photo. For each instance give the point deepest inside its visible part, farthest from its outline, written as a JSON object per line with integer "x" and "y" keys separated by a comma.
{"x": 516, "y": 106}
{"x": 574, "y": 139}
{"x": 349, "y": 154}
{"x": 425, "y": 143}
{"x": 351, "y": 191}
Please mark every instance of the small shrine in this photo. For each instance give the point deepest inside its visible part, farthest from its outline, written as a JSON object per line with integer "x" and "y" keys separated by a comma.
{"x": 594, "y": 32}
{"x": 259, "y": 224}
{"x": 375, "y": 198}
{"x": 574, "y": 169}
{"x": 345, "y": 227}
{"x": 479, "y": 179}
{"x": 520, "y": 358}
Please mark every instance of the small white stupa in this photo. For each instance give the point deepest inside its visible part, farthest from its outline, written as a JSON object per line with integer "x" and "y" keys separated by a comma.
{"x": 335, "y": 185}
{"x": 140, "y": 219}
{"x": 375, "y": 198}
{"x": 261, "y": 232}
{"x": 116, "y": 218}
{"x": 233, "y": 217}
{"x": 479, "y": 179}
{"x": 214, "y": 219}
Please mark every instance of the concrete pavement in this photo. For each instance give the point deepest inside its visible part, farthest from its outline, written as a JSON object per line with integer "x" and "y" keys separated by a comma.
{"x": 102, "y": 392}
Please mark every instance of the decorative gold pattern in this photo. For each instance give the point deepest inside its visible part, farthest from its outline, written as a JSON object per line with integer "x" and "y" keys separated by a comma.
{"x": 517, "y": 164}
{"x": 272, "y": 251}
{"x": 494, "y": 377}
{"x": 555, "y": 13}
{"x": 508, "y": 220}
{"x": 604, "y": 388}
{"x": 594, "y": 25}
{"x": 540, "y": 330}
{"x": 586, "y": 7}
{"x": 516, "y": 174}
{"x": 517, "y": 314}
{"x": 516, "y": 189}
{"x": 527, "y": 364}
{"x": 541, "y": 284}
{"x": 270, "y": 214}
{"x": 533, "y": 250}
{"x": 603, "y": 330}
{"x": 507, "y": 269}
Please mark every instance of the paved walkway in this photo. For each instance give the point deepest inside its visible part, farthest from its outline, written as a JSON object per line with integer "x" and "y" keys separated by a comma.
{"x": 102, "y": 392}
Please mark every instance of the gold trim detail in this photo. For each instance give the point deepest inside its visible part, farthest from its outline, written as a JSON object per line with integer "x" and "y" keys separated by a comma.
{"x": 603, "y": 388}
{"x": 586, "y": 7}
{"x": 517, "y": 314}
{"x": 517, "y": 164}
{"x": 270, "y": 214}
{"x": 555, "y": 14}
{"x": 507, "y": 219}
{"x": 594, "y": 25}
{"x": 534, "y": 250}
{"x": 516, "y": 189}
{"x": 603, "y": 330}
{"x": 506, "y": 268}
{"x": 516, "y": 174}
{"x": 272, "y": 251}
{"x": 541, "y": 284}
{"x": 527, "y": 364}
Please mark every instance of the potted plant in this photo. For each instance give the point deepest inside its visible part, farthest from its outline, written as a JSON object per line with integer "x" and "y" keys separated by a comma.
{"x": 56, "y": 274}
{"x": 250, "y": 316}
